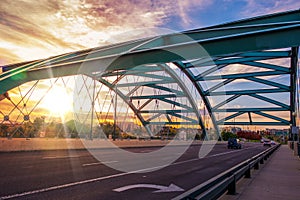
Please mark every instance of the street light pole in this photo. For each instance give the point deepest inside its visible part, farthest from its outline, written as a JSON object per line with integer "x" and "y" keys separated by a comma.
{"x": 115, "y": 109}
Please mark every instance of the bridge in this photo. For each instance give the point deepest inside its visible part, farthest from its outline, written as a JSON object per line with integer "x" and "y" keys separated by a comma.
{"x": 185, "y": 80}
{"x": 164, "y": 79}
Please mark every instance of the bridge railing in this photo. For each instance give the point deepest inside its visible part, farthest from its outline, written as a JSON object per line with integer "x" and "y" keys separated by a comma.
{"x": 226, "y": 181}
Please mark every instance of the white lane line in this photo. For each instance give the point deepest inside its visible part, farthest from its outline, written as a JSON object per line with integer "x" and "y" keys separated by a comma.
{"x": 105, "y": 177}
{"x": 59, "y": 157}
{"x": 218, "y": 154}
{"x": 98, "y": 163}
{"x": 73, "y": 184}
{"x": 61, "y": 186}
{"x": 224, "y": 153}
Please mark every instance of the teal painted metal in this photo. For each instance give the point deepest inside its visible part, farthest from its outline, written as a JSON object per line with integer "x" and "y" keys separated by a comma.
{"x": 201, "y": 92}
{"x": 240, "y": 76}
{"x": 177, "y": 92}
{"x": 270, "y": 83}
{"x": 255, "y": 123}
{"x": 267, "y": 66}
{"x": 272, "y": 101}
{"x": 225, "y": 102}
{"x": 246, "y": 92}
{"x": 251, "y": 109}
{"x": 230, "y": 117}
{"x": 188, "y": 94}
{"x": 163, "y": 96}
{"x": 286, "y": 122}
{"x": 293, "y": 82}
{"x": 124, "y": 98}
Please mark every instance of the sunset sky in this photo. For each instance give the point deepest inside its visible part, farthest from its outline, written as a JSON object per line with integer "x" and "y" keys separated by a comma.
{"x": 31, "y": 29}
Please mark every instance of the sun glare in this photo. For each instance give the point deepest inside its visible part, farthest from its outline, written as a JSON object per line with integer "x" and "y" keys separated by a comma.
{"x": 58, "y": 101}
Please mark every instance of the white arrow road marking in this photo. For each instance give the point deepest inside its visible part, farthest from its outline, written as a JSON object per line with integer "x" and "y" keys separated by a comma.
{"x": 106, "y": 177}
{"x": 170, "y": 188}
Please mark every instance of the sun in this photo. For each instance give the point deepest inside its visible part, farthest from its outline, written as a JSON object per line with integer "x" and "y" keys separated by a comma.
{"x": 58, "y": 101}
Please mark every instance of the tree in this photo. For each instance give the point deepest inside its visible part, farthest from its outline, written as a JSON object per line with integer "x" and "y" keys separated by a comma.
{"x": 38, "y": 123}
{"x": 3, "y": 130}
{"x": 226, "y": 135}
{"x": 71, "y": 128}
{"x": 108, "y": 129}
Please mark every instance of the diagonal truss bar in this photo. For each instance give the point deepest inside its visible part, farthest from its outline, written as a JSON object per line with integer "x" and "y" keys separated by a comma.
{"x": 177, "y": 92}
{"x": 270, "y": 101}
{"x": 267, "y": 66}
{"x": 145, "y": 83}
{"x": 250, "y": 109}
{"x": 145, "y": 104}
{"x": 172, "y": 123}
{"x": 219, "y": 85}
{"x": 227, "y": 61}
{"x": 153, "y": 117}
{"x": 246, "y": 92}
{"x": 178, "y": 104}
{"x": 240, "y": 76}
{"x": 270, "y": 83}
{"x": 230, "y": 117}
{"x": 225, "y": 102}
{"x": 209, "y": 71}
{"x": 255, "y": 123}
{"x": 165, "y": 111}
{"x": 184, "y": 117}
{"x": 163, "y": 96}
{"x": 286, "y": 122}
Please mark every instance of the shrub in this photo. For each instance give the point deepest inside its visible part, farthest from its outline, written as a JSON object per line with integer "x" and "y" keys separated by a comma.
{"x": 226, "y": 135}
{"x": 249, "y": 135}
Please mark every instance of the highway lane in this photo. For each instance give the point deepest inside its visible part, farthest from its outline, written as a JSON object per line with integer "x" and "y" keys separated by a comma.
{"x": 78, "y": 175}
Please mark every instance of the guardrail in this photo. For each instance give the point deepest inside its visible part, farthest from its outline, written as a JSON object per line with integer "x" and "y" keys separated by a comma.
{"x": 226, "y": 181}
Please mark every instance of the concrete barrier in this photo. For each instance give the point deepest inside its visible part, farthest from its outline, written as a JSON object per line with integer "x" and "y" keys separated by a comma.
{"x": 35, "y": 144}
{"x": 291, "y": 144}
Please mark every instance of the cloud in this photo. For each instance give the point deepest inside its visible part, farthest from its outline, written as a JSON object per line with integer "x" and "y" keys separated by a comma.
{"x": 257, "y": 7}
{"x": 35, "y": 29}
{"x": 8, "y": 56}
{"x": 185, "y": 7}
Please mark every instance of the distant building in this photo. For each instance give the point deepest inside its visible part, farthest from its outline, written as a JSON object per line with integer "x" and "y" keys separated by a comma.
{"x": 232, "y": 129}
{"x": 278, "y": 131}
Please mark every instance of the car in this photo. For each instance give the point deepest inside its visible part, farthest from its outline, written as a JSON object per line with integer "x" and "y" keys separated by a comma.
{"x": 267, "y": 142}
{"x": 273, "y": 142}
{"x": 234, "y": 143}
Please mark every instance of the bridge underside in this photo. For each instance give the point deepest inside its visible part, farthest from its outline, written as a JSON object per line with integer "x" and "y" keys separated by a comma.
{"x": 241, "y": 73}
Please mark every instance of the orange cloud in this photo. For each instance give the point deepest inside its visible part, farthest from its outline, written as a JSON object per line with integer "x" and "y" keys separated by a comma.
{"x": 38, "y": 29}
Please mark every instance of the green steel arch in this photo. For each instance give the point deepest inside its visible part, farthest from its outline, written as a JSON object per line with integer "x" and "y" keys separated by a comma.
{"x": 253, "y": 42}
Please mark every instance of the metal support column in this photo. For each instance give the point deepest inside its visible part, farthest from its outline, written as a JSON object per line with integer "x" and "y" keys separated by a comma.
{"x": 293, "y": 81}
{"x": 93, "y": 110}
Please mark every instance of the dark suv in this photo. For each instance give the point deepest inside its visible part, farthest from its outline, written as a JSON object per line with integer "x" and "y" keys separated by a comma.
{"x": 233, "y": 143}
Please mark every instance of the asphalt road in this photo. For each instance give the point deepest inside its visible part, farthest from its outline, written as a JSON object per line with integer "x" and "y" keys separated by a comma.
{"x": 76, "y": 174}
